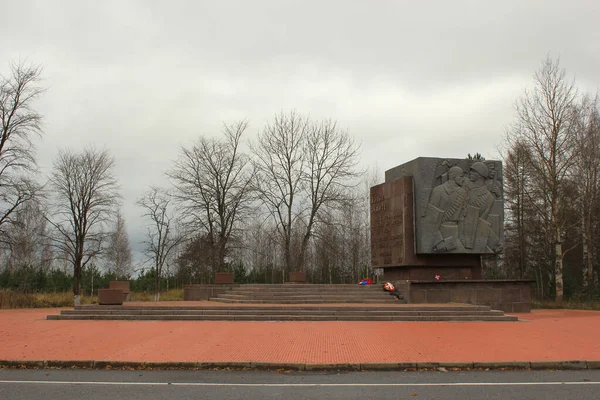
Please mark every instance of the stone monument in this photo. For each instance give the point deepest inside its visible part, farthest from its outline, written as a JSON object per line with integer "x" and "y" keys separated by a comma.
{"x": 433, "y": 218}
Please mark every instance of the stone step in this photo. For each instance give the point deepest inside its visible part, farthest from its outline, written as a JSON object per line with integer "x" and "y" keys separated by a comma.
{"x": 321, "y": 285}
{"x": 307, "y": 293}
{"x": 287, "y": 288}
{"x": 324, "y": 307}
{"x": 267, "y": 296}
{"x": 294, "y": 312}
{"x": 295, "y": 294}
{"x": 278, "y": 312}
{"x": 303, "y": 301}
{"x": 282, "y": 317}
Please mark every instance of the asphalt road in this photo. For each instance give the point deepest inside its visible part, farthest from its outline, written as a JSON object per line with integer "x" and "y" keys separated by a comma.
{"x": 256, "y": 385}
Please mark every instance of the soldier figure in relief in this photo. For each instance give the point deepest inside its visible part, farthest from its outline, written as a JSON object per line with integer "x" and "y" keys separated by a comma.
{"x": 479, "y": 195}
{"x": 474, "y": 227}
{"x": 450, "y": 195}
{"x": 450, "y": 198}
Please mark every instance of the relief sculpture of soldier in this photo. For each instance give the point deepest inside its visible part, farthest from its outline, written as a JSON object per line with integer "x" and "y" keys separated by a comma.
{"x": 449, "y": 198}
{"x": 459, "y": 212}
{"x": 475, "y": 228}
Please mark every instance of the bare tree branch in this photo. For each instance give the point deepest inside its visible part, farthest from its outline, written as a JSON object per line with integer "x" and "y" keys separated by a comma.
{"x": 302, "y": 168}
{"x": 213, "y": 188}
{"x": 162, "y": 236}
{"x": 85, "y": 197}
{"x": 19, "y": 124}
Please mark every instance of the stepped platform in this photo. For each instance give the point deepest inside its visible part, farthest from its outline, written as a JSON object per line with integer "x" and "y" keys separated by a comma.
{"x": 211, "y": 311}
{"x": 290, "y": 293}
{"x": 285, "y": 302}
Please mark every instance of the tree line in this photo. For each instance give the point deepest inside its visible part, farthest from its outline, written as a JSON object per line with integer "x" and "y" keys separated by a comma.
{"x": 292, "y": 199}
{"x": 287, "y": 201}
{"x": 552, "y": 187}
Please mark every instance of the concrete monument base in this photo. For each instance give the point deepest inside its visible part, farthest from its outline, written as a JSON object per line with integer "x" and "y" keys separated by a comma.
{"x": 430, "y": 273}
{"x": 506, "y": 295}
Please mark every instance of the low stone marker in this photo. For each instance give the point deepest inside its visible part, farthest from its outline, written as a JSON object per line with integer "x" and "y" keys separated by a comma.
{"x": 223, "y": 278}
{"x": 298, "y": 277}
{"x": 110, "y": 297}
{"x": 123, "y": 285}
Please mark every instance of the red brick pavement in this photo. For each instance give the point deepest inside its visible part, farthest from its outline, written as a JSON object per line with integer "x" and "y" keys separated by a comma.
{"x": 539, "y": 336}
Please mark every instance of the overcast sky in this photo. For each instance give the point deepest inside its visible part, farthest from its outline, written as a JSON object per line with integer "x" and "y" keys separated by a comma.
{"x": 405, "y": 78}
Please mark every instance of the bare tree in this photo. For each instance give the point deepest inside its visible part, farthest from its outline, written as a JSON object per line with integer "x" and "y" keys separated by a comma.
{"x": 19, "y": 124}
{"x": 280, "y": 164}
{"x": 545, "y": 124}
{"x": 162, "y": 237}
{"x": 587, "y": 173}
{"x": 213, "y": 186}
{"x": 118, "y": 251}
{"x": 28, "y": 237}
{"x": 302, "y": 168}
{"x": 517, "y": 167}
{"x": 85, "y": 197}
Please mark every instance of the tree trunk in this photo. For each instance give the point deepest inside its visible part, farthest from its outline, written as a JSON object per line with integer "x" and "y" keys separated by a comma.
{"x": 77, "y": 285}
{"x": 288, "y": 257}
{"x": 156, "y": 296}
{"x": 558, "y": 267}
{"x": 585, "y": 248}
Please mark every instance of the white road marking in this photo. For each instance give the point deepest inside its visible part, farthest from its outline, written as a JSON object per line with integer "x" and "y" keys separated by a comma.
{"x": 297, "y": 384}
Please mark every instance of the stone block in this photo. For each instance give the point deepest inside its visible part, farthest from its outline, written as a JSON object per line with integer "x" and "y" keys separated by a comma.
{"x": 577, "y": 364}
{"x": 29, "y": 364}
{"x": 521, "y": 307}
{"x": 223, "y": 278}
{"x": 511, "y": 295}
{"x": 559, "y": 364}
{"x": 506, "y": 307}
{"x": 278, "y": 365}
{"x": 457, "y": 365}
{"x": 439, "y": 296}
{"x": 298, "y": 277}
{"x": 488, "y": 295}
{"x": 110, "y": 296}
{"x": 418, "y": 295}
{"x": 387, "y": 366}
{"x": 502, "y": 365}
{"x": 169, "y": 365}
{"x": 100, "y": 364}
{"x": 463, "y": 295}
{"x": 70, "y": 364}
{"x": 338, "y": 367}
{"x": 525, "y": 293}
{"x": 123, "y": 285}
{"x": 593, "y": 364}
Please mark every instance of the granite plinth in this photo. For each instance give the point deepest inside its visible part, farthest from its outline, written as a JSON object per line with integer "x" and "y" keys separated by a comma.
{"x": 506, "y": 295}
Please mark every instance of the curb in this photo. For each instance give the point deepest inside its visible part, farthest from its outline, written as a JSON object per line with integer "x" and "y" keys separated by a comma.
{"x": 278, "y": 366}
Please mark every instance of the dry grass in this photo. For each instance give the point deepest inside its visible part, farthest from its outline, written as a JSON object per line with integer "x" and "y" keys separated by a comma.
{"x": 12, "y": 299}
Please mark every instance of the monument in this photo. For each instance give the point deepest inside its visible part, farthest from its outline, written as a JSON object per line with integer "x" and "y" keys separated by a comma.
{"x": 432, "y": 220}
